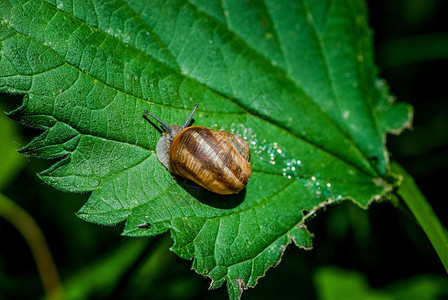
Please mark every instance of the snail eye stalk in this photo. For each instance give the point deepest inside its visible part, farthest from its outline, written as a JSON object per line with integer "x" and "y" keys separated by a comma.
{"x": 170, "y": 131}
{"x": 189, "y": 118}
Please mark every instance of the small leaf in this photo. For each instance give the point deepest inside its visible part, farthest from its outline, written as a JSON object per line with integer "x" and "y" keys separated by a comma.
{"x": 295, "y": 79}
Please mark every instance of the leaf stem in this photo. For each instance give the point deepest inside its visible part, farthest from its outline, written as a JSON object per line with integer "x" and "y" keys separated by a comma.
{"x": 35, "y": 239}
{"x": 420, "y": 208}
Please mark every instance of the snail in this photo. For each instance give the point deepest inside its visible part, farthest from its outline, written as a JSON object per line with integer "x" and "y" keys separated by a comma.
{"x": 219, "y": 161}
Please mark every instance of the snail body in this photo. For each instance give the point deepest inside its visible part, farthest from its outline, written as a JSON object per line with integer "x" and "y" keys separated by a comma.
{"x": 219, "y": 161}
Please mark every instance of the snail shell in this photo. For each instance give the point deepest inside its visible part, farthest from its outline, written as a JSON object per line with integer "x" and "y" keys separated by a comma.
{"x": 216, "y": 160}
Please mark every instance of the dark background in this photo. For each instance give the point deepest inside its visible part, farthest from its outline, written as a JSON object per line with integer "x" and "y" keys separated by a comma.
{"x": 383, "y": 244}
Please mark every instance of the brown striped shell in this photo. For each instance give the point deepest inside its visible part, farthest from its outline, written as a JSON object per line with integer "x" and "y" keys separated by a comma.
{"x": 216, "y": 160}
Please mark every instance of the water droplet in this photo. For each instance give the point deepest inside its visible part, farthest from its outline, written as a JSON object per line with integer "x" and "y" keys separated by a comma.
{"x": 274, "y": 154}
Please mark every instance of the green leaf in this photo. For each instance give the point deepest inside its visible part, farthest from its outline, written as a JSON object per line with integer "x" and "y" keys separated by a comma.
{"x": 295, "y": 78}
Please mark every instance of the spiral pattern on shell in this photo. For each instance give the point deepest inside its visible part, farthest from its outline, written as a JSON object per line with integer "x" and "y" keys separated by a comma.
{"x": 216, "y": 160}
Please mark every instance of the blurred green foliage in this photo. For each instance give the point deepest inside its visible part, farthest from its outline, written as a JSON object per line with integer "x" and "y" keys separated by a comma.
{"x": 10, "y": 139}
{"x": 333, "y": 283}
{"x": 389, "y": 255}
